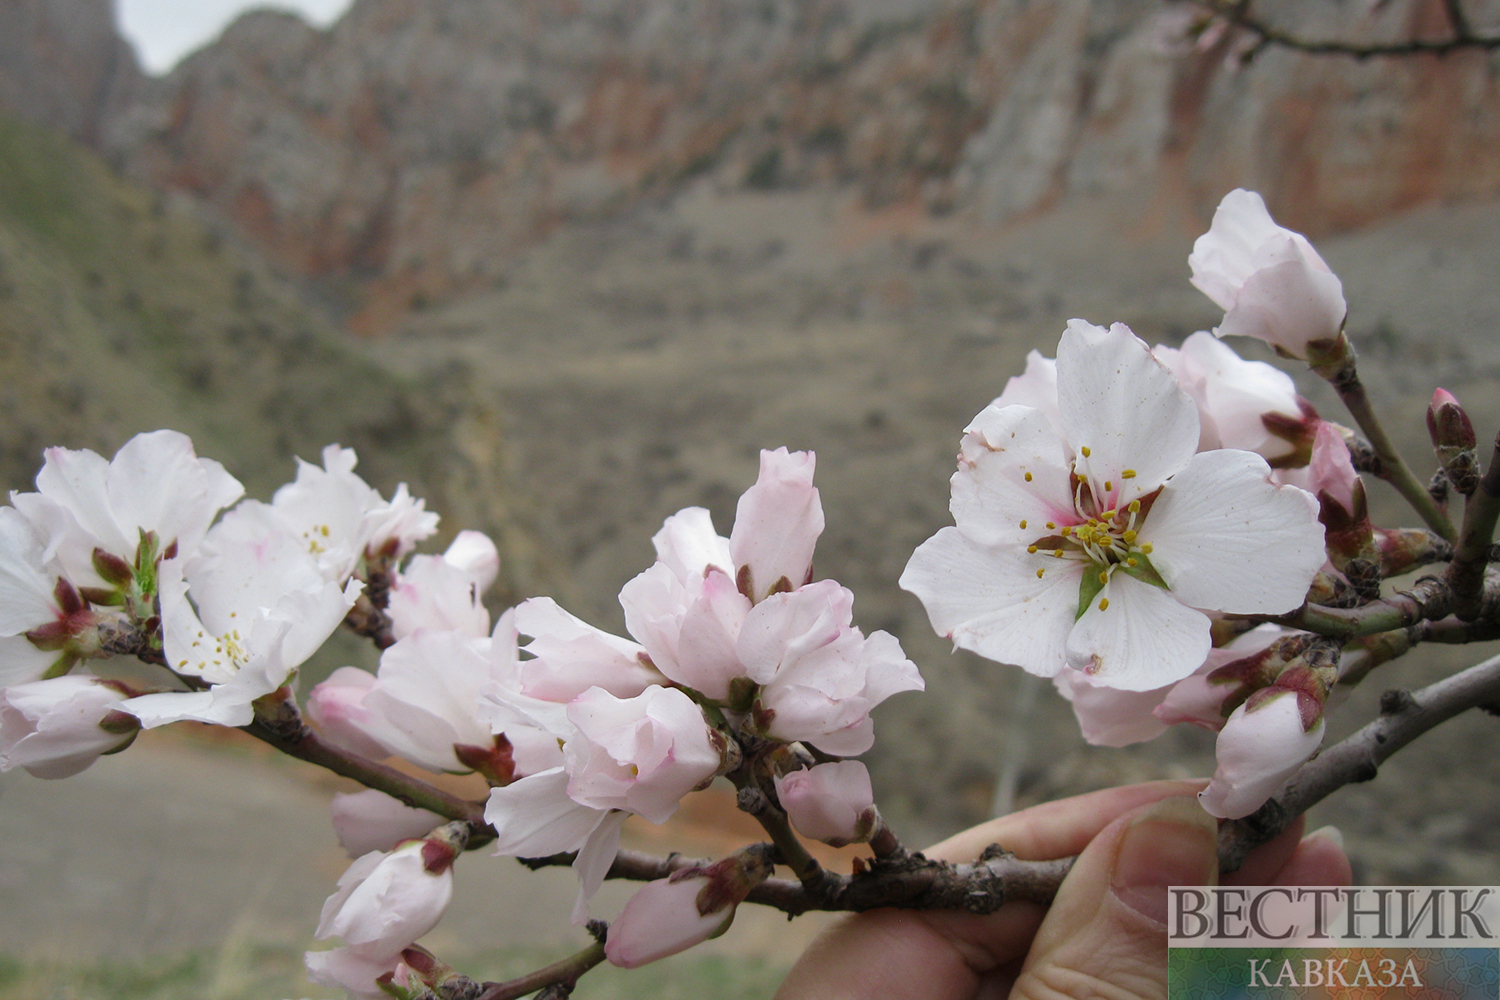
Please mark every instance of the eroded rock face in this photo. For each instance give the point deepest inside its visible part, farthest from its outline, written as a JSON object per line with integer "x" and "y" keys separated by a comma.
{"x": 414, "y": 149}
{"x": 63, "y": 64}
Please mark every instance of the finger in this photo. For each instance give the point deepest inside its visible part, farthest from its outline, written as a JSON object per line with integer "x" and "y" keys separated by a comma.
{"x": 1058, "y": 829}
{"x": 911, "y": 955}
{"x": 1106, "y": 934}
{"x": 1318, "y": 860}
{"x": 1262, "y": 864}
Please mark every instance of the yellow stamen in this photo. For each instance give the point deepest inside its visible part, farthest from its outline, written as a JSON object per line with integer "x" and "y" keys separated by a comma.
{"x": 1108, "y": 485}
{"x": 1129, "y": 537}
{"x": 1085, "y": 451}
{"x": 1134, "y": 507}
{"x": 1028, "y": 477}
{"x": 1132, "y": 562}
{"x": 1050, "y": 525}
{"x": 1104, "y": 576}
{"x": 1146, "y": 548}
{"x": 1103, "y": 604}
{"x": 1031, "y": 549}
{"x": 1127, "y": 474}
{"x": 1039, "y": 573}
{"x": 1057, "y": 553}
{"x": 1023, "y": 525}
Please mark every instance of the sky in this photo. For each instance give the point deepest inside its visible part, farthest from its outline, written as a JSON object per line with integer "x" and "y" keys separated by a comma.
{"x": 163, "y": 31}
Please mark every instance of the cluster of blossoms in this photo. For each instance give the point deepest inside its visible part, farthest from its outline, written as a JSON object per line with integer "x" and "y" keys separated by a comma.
{"x": 1112, "y": 504}
{"x": 1126, "y": 519}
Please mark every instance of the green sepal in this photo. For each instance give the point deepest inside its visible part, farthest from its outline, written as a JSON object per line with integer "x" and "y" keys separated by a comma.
{"x": 1144, "y": 571}
{"x": 1089, "y": 587}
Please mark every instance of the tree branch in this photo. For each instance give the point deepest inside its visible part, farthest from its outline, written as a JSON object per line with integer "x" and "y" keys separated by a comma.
{"x": 1403, "y": 717}
{"x": 1237, "y": 13}
{"x": 565, "y": 973}
{"x": 1471, "y": 554}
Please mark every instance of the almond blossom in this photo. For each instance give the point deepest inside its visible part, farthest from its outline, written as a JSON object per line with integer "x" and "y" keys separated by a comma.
{"x": 832, "y": 802}
{"x": 55, "y": 728}
{"x": 1262, "y": 744}
{"x": 1102, "y": 548}
{"x": 1270, "y": 282}
{"x": 443, "y": 592}
{"x": 262, "y": 608}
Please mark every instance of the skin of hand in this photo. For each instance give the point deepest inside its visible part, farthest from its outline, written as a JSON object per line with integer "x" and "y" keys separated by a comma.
{"x": 1104, "y": 936}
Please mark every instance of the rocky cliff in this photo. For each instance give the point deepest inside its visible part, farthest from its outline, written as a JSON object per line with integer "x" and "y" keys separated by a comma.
{"x": 414, "y": 149}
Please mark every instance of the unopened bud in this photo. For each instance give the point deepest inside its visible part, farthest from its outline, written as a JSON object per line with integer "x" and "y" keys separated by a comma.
{"x": 831, "y": 802}
{"x": 1453, "y": 439}
{"x": 495, "y": 763}
{"x": 688, "y": 907}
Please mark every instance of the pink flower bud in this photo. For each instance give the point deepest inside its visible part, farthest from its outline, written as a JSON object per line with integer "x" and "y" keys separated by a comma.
{"x": 374, "y": 821}
{"x": 831, "y": 802}
{"x": 56, "y": 728}
{"x": 1447, "y": 423}
{"x": 662, "y": 919}
{"x": 776, "y": 525}
{"x": 689, "y": 907}
{"x": 1263, "y": 744}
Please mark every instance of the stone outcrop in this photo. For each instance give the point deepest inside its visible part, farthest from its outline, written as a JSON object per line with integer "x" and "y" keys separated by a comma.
{"x": 63, "y": 64}
{"x": 411, "y": 151}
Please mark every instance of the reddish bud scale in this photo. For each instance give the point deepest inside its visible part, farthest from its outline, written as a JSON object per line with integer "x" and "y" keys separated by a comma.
{"x": 1448, "y": 424}
{"x": 1299, "y": 432}
{"x": 438, "y": 856}
{"x": 496, "y": 763}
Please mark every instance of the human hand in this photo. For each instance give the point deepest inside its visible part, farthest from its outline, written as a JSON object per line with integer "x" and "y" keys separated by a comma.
{"x": 1104, "y": 935}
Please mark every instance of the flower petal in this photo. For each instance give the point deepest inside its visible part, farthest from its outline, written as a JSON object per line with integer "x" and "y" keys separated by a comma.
{"x": 989, "y": 599}
{"x": 1226, "y": 538}
{"x": 1126, "y": 408}
{"x": 1145, "y": 638}
{"x": 1018, "y": 474}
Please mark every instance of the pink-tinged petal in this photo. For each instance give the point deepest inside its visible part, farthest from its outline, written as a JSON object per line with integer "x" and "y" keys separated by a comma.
{"x": 313, "y": 615}
{"x": 157, "y": 483}
{"x": 990, "y": 600}
{"x": 385, "y": 908}
{"x": 26, "y": 586}
{"x": 249, "y": 560}
{"x": 661, "y": 920}
{"x": 337, "y": 708}
{"x": 1015, "y": 482}
{"x": 777, "y": 523}
{"x": 534, "y": 818}
{"x": 593, "y": 862}
{"x": 1108, "y": 717}
{"x": 1126, "y": 408}
{"x": 426, "y": 698}
{"x": 1225, "y": 257}
{"x": 432, "y": 593}
{"x": 374, "y": 821}
{"x": 887, "y": 669}
{"x": 51, "y": 727}
{"x": 1331, "y": 470}
{"x": 1287, "y": 305}
{"x": 1226, "y": 538}
{"x": 688, "y": 544}
{"x": 706, "y": 647}
{"x": 1259, "y": 748}
{"x": 224, "y": 705}
{"x": 1196, "y": 700}
{"x": 572, "y": 656}
{"x": 654, "y": 602}
{"x": 1236, "y": 395}
{"x": 786, "y": 626}
{"x": 1144, "y": 638}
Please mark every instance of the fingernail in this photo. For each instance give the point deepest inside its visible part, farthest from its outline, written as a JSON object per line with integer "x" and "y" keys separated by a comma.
{"x": 1330, "y": 833}
{"x": 1173, "y": 842}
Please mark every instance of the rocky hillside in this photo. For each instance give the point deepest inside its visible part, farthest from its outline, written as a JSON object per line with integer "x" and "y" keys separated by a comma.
{"x": 121, "y": 311}
{"x": 418, "y": 147}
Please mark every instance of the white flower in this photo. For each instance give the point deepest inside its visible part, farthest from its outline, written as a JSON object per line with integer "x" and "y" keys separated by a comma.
{"x": 1270, "y": 282}
{"x": 570, "y": 656}
{"x": 339, "y": 517}
{"x": 776, "y": 525}
{"x": 1098, "y": 550}
{"x": 263, "y": 608}
{"x": 1248, "y": 405}
{"x": 56, "y": 728}
{"x": 662, "y": 919}
{"x": 32, "y": 595}
{"x": 443, "y": 592}
{"x": 155, "y": 483}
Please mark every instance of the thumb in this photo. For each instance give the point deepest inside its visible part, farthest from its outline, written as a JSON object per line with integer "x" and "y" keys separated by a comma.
{"x": 1106, "y": 933}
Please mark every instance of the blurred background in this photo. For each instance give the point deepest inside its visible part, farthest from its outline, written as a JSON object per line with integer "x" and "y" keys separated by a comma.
{"x": 565, "y": 266}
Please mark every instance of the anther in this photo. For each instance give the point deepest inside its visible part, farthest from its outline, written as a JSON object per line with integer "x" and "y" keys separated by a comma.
{"x": 1128, "y": 537}
{"x": 1127, "y": 474}
{"x": 1134, "y": 507}
{"x": 1108, "y": 485}
{"x": 1050, "y": 526}
{"x": 1146, "y": 548}
{"x": 1039, "y": 573}
{"x": 1031, "y": 550}
{"x": 1023, "y": 525}
{"x": 1085, "y": 451}
{"x": 1028, "y": 477}
{"x": 1103, "y": 576}
{"x": 1103, "y": 604}
{"x": 1057, "y": 553}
